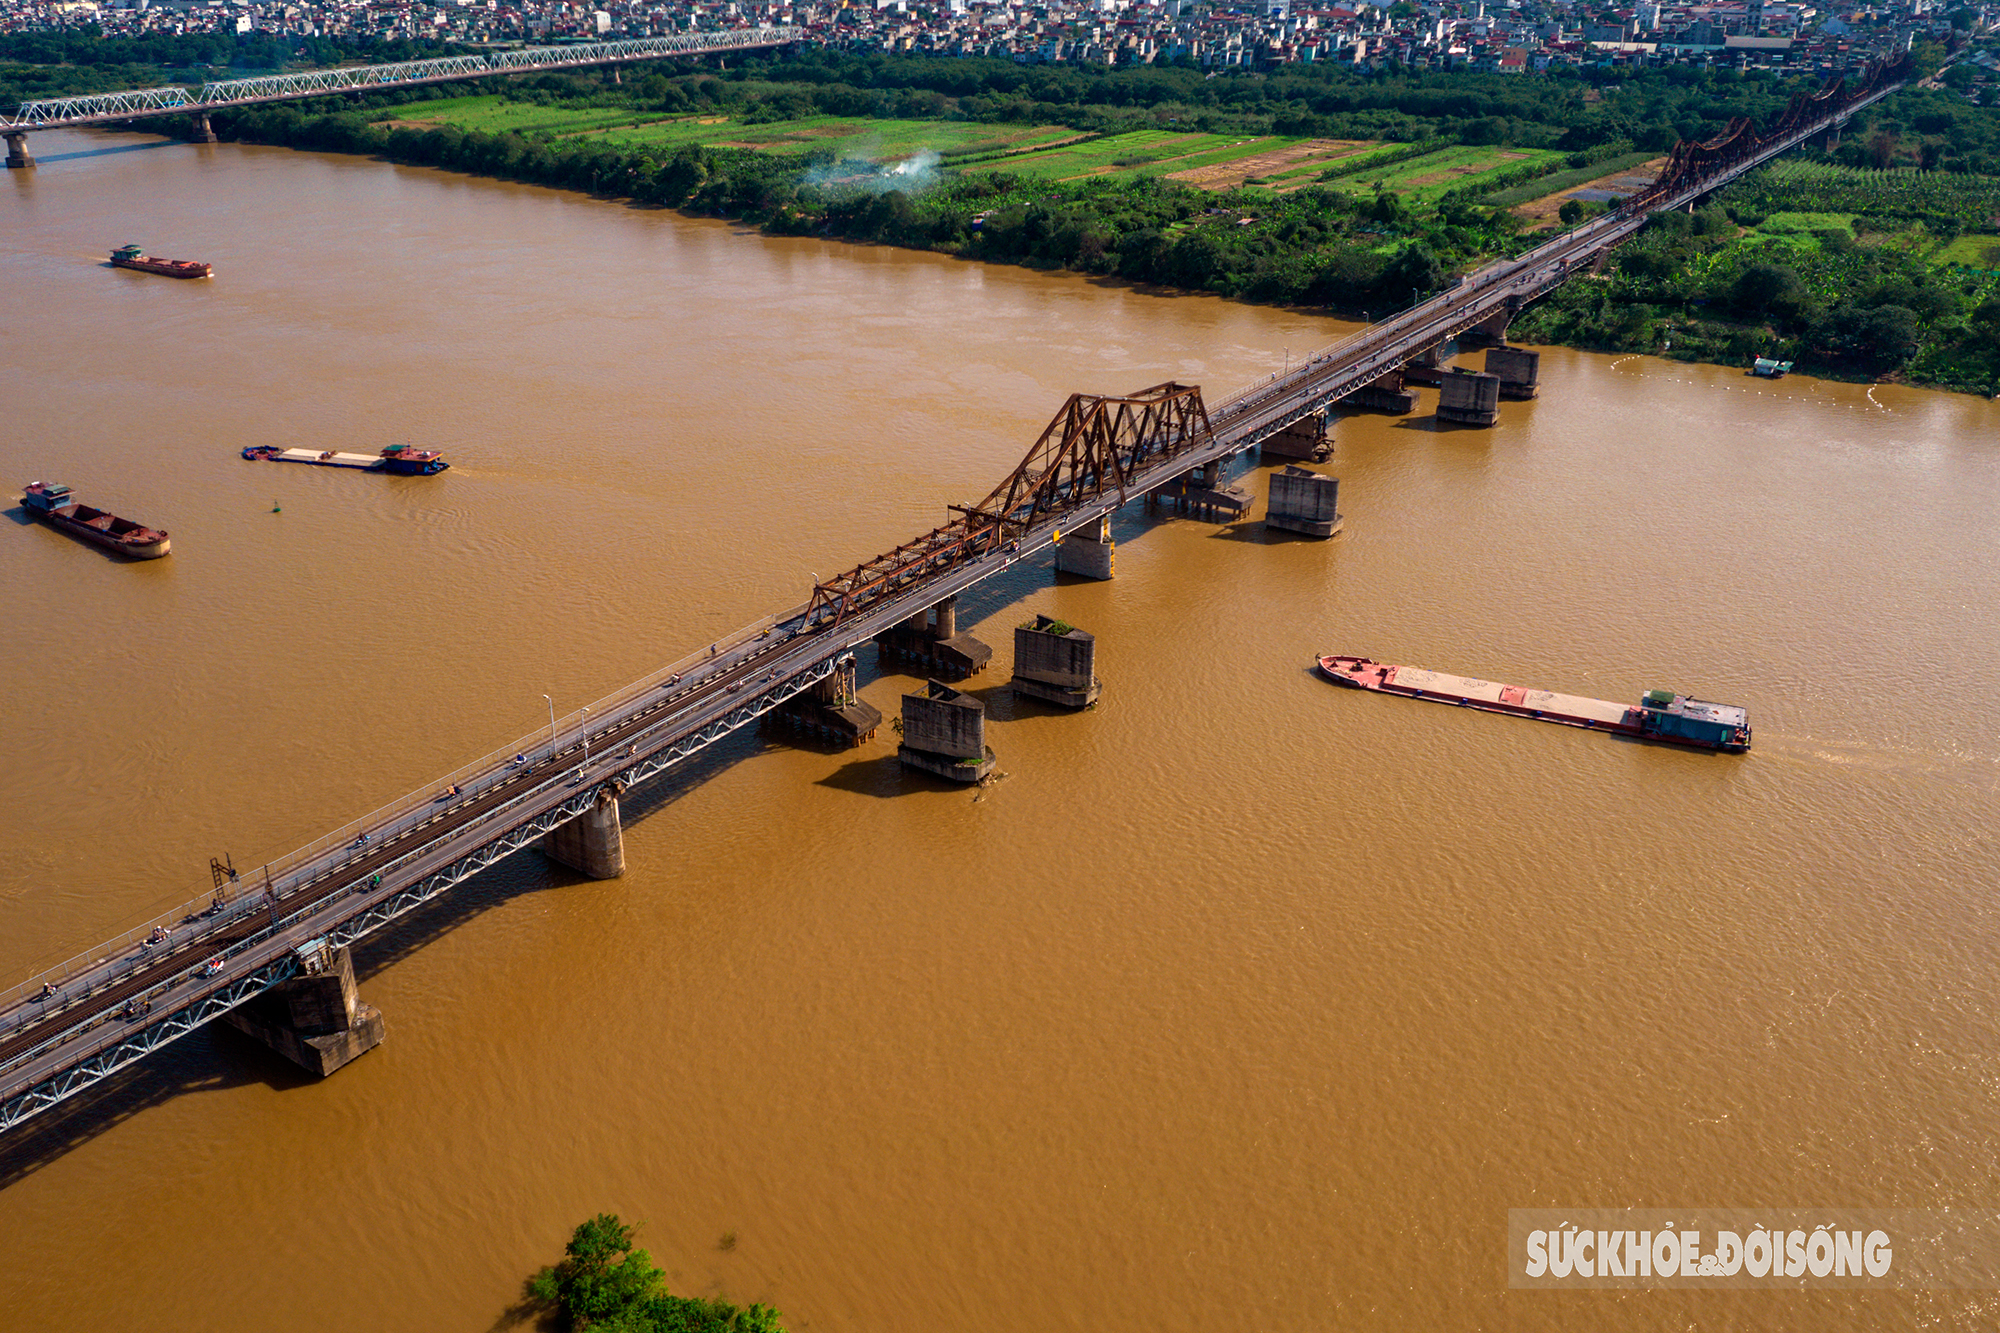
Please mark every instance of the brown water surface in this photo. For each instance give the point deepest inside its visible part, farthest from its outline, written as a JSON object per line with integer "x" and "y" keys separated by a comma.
{"x": 1241, "y": 1002}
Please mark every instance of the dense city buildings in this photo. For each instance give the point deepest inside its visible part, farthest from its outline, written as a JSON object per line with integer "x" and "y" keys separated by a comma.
{"x": 1505, "y": 36}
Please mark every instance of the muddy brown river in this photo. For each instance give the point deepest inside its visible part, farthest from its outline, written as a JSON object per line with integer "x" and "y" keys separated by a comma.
{"x": 1240, "y": 1002}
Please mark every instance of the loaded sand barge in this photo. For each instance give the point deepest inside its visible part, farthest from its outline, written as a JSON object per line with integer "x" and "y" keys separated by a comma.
{"x": 131, "y": 256}
{"x": 399, "y": 459}
{"x": 1661, "y": 715}
{"x": 54, "y": 505}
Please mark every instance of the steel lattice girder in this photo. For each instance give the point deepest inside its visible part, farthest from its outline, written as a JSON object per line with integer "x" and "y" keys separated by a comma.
{"x": 49, "y": 113}
{"x": 1097, "y": 445}
{"x": 377, "y": 911}
{"x": 1807, "y": 114}
{"x": 104, "y": 1063}
{"x": 885, "y": 575}
{"x": 1094, "y": 446}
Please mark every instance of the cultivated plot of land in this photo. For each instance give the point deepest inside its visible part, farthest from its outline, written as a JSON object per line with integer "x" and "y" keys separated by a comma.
{"x": 1208, "y": 161}
{"x": 1422, "y": 179}
{"x": 1302, "y": 159}
{"x": 847, "y": 136}
{"x": 1617, "y": 178}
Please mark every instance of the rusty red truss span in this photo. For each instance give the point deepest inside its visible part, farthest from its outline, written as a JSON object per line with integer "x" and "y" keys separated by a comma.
{"x": 1691, "y": 162}
{"x": 1096, "y": 446}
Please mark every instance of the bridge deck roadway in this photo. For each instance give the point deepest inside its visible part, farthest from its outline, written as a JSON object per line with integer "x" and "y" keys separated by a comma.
{"x": 51, "y": 1048}
{"x": 141, "y": 103}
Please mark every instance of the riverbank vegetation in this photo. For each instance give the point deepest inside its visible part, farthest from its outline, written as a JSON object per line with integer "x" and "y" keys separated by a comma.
{"x": 603, "y": 1283}
{"x": 1306, "y": 186}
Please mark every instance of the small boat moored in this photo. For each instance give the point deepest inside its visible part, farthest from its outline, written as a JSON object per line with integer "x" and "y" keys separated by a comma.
{"x": 56, "y": 506}
{"x": 1764, "y": 368}
{"x": 398, "y": 459}
{"x": 1661, "y": 715}
{"x": 131, "y": 256}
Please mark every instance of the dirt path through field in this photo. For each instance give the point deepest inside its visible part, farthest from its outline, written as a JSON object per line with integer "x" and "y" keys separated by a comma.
{"x": 1229, "y": 175}
{"x": 1629, "y": 181}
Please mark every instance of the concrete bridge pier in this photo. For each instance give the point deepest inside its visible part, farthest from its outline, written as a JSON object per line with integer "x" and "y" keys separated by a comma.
{"x": 203, "y": 132}
{"x": 1385, "y": 393}
{"x": 1469, "y": 397}
{"x": 944, "y": 734}
{"x": 1519, "y": 370}
{"x": 1489, "y": 332}
{"x": 1304, "y": 438}
{"x": 931, "y": 638}
{"x": 1056, "y": 663}
{"x": 1088, "y": 551}
{"x": 1426, "y": 367}
{"x": 593, "y": 843}
{"x": 315, "y": 1020}
{"x": 1303, "y": 501}
{"x": 1205, "y": 491}
{"x": 18, "y": 155}
{"x": 831, "y": 710}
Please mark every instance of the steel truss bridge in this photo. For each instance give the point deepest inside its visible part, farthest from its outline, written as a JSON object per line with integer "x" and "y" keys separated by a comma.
{"x": 77, "y": 1024}
{"x": 102, "y": 108}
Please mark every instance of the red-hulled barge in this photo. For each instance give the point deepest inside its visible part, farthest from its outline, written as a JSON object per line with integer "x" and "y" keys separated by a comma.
{"x": 131, "y": 256}
{"x": 1661, "y": 715}
{"x": 55, "y": 505}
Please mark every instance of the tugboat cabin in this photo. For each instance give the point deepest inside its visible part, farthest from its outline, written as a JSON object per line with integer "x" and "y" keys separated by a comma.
{"x": 1664, "y": 713}
{"x": 46, "y": 497}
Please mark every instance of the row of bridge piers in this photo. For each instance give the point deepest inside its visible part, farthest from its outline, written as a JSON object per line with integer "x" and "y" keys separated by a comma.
{"x": 317, "y": 1020}
{"x": 1466, "y": 397}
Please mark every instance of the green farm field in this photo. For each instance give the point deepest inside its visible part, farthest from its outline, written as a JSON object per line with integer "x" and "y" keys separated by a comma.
{"x": 1421, "y": 179}
{"x": 848, "y": 136}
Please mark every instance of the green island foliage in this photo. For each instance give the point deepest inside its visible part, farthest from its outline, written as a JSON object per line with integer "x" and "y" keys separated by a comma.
{"x": 604, "y": 1284}
{"x": 1373, "y": 190}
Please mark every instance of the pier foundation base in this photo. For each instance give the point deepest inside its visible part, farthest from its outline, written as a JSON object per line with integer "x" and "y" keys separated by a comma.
{"x": 203, "y": 132}
{"x": 1426, "y": 367}
{"x": 944, "y": 733}
{"x": 1303, "y": 501}
{"x": 1302, "y": 439}
{"x": 1088, "y": 551}
{"x": 1383, "y": 394}
{"x": 1470, "y": 398}
{"x": 18, "y": 155}
{"x": 593, "y": 843}
{"x": 315, "y": 1020}
{"x": 1518, "y": 368}
{"x": 931, "y": 639}
{"x": 1056, "y": 663}
{"x": 830, "y": 710}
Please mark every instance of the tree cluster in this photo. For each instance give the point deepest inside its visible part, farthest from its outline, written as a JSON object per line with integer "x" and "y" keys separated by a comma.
{"x": 604, "y": 1284}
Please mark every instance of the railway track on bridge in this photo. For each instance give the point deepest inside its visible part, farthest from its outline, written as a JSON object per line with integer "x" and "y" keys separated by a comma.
{"x": 1098, "y": 455}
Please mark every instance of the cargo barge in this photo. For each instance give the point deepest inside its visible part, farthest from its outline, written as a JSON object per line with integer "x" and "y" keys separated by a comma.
{"x": 131, "y": 256}
{"x": 1661, "y": 715}
{"x": 55, "y": 505}
{"x": 398, "y": 459}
